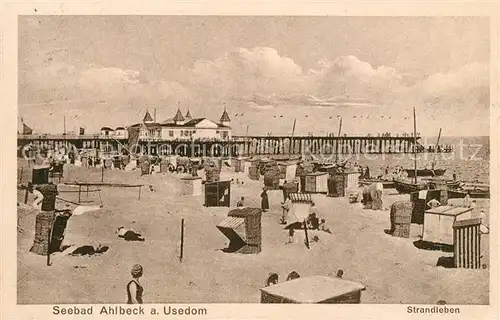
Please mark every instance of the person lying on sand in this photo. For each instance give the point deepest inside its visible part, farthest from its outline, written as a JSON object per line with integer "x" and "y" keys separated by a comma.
{"x": 151, "y": 188}
{"x": 129, "y": 235}
{"x": 89, "y": 250}
{"x": 324, "y": 227}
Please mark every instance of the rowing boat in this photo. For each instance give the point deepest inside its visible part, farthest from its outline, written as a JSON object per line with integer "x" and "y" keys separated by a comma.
{"x": 476, "y": 194}
{"x": 388, "y": 184}
{"x": 408, "y": 187}
{"x": 425, "y": 172}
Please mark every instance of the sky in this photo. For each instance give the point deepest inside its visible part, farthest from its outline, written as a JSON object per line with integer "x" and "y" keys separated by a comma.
{"x": 99, "y": 71}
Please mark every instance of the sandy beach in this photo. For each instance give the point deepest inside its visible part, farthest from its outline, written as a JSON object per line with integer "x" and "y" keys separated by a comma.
{"x": 393, "y": 269}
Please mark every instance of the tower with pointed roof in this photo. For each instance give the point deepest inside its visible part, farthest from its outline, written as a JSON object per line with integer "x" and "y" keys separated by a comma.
{"x": 147, "y": 117}
{"x": 224, "y": 119}
{"x": 188, "y": 116}
{"x": 179, "y": 119}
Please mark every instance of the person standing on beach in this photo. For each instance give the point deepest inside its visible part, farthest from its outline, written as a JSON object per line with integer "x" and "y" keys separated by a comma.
{"x": 264, "y": 200}
{"x": 134, "y": 289}
{"x": 37, "y": 204}
{"x": 285, "y": 206}
{"x": 291, "y": 232}
{"x": 285, "y": 193}
{"x": 433, "y": 203}
{"x": 467, "y": 201}
{"x": 367, "y": 173}
{"x": 299, "y": 172}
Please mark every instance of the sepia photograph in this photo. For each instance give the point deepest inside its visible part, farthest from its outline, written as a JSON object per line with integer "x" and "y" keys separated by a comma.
{"x": 167, "y": 159}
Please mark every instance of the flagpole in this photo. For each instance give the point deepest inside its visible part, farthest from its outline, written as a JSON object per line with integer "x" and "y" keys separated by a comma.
{"x": 415, "y": 142}
{"x": 338, "y": 141}
{"x": 291, "y": 138}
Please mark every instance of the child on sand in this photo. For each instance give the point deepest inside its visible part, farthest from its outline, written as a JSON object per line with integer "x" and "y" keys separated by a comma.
{"x": 240, "y": 203}
{"x": 264, "y": 200}
{"x": 291, "y": 232}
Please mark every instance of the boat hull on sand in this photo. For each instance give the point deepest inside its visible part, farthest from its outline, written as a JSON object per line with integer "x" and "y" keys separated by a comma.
{"x": 456, "y": 194}
{"x": 407, "y": 187}
{"x": 388, "y": 184}
{"x": 425, "y": 172}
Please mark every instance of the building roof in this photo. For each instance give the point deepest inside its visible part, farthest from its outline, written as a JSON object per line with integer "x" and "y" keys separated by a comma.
{"x": 188, "y": 115}
{"x": 189, "y": 124}
{"x": 107, "y": 128}
{"x": 225, "y": 117}
{"x": 178, "y": 116}
{"x": 313, "y": 289}
{"x": 120, "y": 128}
{"x": 147, "y": 117}
{"x": 148, "y": 125}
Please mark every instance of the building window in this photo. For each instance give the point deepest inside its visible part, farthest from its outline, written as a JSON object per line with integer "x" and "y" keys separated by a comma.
{"x": 224, "y": 134}
{"x": 171, "y": 133}
{"x": 217, "y": 132}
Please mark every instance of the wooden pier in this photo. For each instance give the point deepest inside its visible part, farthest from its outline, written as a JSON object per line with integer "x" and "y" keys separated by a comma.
{"x": 235, "y": 146}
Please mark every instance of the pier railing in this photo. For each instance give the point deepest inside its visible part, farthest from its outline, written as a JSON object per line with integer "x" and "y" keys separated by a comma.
{"x": 236, "y": 145}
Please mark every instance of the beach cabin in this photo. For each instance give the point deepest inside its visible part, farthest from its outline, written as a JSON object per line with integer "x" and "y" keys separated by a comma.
{"x": 340, "y": 182}
{"x": 316, "y": 182}
{"x": 254, "y": 173}
{"x": 107, "y": 132}
{"x": 218, "y": 194}
{"x": 438, "y": 223}
{"x": 40, "y": 174}
{"x": 287, "y": 170}
{"x": 239, "y": 164}
{"x": 467, "y": 244}
{"x": 313, "y": 289}
{"x": 247, "y": 163}
{"x": 243, "y": 228}
{"x": 191, "y": 186}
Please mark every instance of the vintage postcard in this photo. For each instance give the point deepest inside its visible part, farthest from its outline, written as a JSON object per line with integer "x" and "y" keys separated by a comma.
{"x": 186, "y": 161}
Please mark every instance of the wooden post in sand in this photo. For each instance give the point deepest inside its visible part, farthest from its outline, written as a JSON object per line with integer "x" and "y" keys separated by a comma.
{"x": 307, "y": 237}
{"x": 139, "y": 193}
{"x": 21, "y": 176}
{"x": 79, "y": 193}
{"x": 182, "y": 240}
{"x": 102, "y": 173}
{"x": 48, "y": 246}
{"x": 26, "y": 194}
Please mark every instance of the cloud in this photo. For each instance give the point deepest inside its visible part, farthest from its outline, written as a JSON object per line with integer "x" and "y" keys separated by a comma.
{"x": 349, "y": 76}
{"x": 467, "y": 85}
{"x": 260, "y": 78}
{"x": 246, "y": 72}
{"x": 57, "y": 81}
